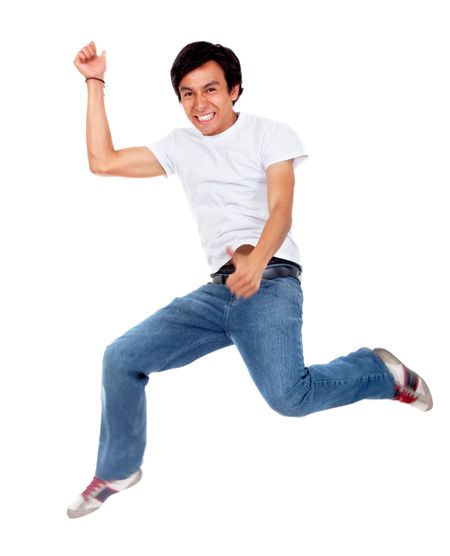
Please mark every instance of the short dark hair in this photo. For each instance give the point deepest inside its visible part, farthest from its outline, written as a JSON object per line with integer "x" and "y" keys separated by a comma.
{"x": 198, "y": 53}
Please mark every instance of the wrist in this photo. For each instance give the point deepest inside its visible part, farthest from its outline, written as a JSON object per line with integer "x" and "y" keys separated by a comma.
{"x": 258, "y": 259}
{"x": 94, "y": 79}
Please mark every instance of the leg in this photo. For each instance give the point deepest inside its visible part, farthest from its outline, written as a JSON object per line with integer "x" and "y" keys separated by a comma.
{"x": 271, "y": 347}
{"x": 186, "y": 329}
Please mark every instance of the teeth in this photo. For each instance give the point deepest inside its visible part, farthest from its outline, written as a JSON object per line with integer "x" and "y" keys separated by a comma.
{"x": 206, "y": 117}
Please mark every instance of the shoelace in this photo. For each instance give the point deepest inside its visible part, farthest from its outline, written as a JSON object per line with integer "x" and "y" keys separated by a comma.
{"x": 404, "y": 395}
{"x": 95, "y": 484}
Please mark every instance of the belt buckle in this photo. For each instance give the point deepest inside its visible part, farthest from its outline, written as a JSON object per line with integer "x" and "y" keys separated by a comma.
{"x": 219, "y": 278}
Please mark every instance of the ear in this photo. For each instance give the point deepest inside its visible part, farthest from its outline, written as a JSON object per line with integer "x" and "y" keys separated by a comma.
{"x": 235, "y": 92}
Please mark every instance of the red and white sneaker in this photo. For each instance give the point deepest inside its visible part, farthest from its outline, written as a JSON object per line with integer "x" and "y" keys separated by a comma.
{"x": 409, "y": 386}
{"x": 97, "y": 492}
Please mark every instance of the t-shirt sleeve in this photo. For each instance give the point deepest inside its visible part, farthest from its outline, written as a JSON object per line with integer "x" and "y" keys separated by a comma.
{"x": 282, "y": 143}
{"x": 164, "y": 151}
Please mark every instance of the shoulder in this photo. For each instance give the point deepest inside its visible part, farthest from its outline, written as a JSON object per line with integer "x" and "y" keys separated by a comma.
{"x": 263, "y": 121}
{"x": 180, "y": 133}
{"x": 174, "y": 140}
{"x": 266, "y": 127}
{"x": 257, "y": 121}
{"x": 184, "y": 133}
{"x": 278, "y": 141}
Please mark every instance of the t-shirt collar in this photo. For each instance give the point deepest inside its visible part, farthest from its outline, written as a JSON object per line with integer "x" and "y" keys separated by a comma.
{"x": 224, "y": 134}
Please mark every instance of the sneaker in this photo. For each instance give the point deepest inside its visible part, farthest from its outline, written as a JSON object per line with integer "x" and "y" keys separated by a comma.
{"x": 97, "y": 492}
{"x": 409, "y": 386}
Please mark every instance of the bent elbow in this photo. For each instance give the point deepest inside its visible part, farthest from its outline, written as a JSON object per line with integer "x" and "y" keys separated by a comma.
{"x": 97, "y": 170}
{"x": 98, "y": 165}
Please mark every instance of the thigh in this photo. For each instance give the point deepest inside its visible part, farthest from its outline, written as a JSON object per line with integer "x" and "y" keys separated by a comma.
{"x": 266, "y": 329}
{"x": 184, "y": 330}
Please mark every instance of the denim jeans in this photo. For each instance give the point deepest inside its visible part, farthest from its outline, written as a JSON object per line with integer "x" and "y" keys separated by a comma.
{"x": 266, "y": 330}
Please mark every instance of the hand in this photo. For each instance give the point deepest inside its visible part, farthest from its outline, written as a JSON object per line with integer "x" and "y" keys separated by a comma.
{"x": 88, "y": 63}
{"x": 246, "y": 279}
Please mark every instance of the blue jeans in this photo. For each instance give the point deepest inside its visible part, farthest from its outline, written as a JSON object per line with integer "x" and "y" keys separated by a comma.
{"x": 266, "y": 330}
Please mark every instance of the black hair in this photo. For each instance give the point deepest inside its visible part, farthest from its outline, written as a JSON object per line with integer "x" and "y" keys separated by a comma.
{"x": 198, "y": 53}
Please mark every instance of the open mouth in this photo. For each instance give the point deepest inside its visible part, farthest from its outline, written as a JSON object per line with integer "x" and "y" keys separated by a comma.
{"x": 205, "y": 118}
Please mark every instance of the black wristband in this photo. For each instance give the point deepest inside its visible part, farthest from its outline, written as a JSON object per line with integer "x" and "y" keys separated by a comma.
{"x": 98, "y": 78}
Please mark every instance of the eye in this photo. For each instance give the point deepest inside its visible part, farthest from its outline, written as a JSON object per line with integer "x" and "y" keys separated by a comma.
{"x": 211, "y": 89}
{"x": 187, "y": 94}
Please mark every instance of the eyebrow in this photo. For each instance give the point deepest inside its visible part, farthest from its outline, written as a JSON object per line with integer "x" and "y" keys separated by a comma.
{"x": 204, "y": 86}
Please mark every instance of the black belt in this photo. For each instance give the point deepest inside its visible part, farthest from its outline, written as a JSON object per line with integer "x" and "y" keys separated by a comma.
{"x": 270, "y": 272}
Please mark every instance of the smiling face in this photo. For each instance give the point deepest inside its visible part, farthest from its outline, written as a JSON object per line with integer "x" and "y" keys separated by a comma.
{"x": 206, "y": 100}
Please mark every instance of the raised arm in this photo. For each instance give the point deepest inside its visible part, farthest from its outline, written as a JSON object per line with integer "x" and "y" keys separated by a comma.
{"x": 132, "y": 162}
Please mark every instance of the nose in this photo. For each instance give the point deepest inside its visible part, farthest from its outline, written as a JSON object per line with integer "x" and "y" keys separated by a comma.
{"x": 200, "y": 102}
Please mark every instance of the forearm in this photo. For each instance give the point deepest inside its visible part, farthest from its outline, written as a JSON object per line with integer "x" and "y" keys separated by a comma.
{"x": 274, "y": 233}
{"x": 98, "y": 135}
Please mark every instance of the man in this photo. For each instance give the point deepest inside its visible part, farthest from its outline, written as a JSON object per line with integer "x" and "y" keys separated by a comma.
{"x": 237, "y": 171}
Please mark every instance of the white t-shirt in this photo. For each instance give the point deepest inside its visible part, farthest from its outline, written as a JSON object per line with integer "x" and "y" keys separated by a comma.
{"x": 225, "y": 181}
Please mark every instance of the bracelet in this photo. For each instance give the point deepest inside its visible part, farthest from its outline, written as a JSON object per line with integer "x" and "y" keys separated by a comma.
{"x": 98, "y": 78}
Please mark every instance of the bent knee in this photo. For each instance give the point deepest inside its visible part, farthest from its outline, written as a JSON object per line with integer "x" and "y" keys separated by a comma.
{"x": 287, "y": 406}
{"x": 117, "y": 358}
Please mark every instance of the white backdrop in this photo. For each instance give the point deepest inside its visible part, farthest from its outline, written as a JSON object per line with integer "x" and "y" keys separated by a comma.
{"x": 84, "y": 258}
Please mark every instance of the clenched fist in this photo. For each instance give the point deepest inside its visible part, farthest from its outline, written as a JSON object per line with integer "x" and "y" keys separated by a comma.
{"x": 88, "y": 63}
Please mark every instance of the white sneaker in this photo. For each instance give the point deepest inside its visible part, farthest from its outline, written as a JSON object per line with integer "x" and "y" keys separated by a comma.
{"x": 97, "y": 492}
{"x": 409, "y": 386}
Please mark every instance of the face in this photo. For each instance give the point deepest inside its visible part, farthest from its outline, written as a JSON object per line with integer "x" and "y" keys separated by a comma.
{"x": 206, "y": 100}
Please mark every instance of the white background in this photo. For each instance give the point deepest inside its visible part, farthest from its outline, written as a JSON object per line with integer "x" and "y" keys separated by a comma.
{"x": 84, "y": 258}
